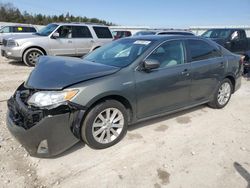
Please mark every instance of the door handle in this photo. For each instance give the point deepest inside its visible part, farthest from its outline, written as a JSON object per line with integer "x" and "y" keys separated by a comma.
{"x": 69, "y": 41}
{"x": 185, "y": 72}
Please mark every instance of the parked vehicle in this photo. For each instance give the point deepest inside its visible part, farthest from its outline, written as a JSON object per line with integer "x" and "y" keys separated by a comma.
{"x": 129, "y": 80}
{"x": 234, "y": 40}
{"x": 163, "y": 32}
{"x": 121, "y": 34}
{"x": 10, "y": 30}
{"x": 57, "y": 39}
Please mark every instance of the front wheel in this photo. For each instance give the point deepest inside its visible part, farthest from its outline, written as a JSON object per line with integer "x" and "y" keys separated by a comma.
{"x": 31, "y": 55}
{"x": 105, "y": 124}
{"x": 222, "y": 95}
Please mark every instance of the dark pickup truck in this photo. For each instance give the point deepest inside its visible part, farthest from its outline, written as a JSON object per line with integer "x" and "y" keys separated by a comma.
{"x": 235, "y": 40}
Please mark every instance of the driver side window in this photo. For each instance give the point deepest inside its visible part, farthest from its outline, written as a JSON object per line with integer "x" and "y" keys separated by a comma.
{"x": 169, "y": 54}
{"x": 65, "y": 32}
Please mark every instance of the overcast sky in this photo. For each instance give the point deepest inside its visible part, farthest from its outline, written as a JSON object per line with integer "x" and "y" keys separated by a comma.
{"x": 157, "y": 13}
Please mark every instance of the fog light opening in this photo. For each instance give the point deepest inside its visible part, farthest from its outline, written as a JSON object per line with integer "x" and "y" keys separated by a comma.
{"x": 43, "y": 147}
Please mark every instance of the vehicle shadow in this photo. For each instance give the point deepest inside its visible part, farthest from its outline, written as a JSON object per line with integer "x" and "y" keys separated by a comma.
{"x": 81, "y": 144}
{"x": 163, "y": 118}
{"x": 243, "y": 172}
{"x": 247, "y": 76}
{"x": 17, "y": 63}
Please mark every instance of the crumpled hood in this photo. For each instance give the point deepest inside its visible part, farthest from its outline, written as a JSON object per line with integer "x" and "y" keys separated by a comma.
{"x": 56, "y": 73}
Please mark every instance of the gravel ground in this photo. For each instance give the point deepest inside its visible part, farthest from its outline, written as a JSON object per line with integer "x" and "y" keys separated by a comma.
{"x": 197, "y": 148}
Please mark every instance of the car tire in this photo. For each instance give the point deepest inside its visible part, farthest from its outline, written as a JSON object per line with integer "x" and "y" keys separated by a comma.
{"x": 222, "y": 95}
{"x": 105, "y": 124}
{"x": 30, "y": 56}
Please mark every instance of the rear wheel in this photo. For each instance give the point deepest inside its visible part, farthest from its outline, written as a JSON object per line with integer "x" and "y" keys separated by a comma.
{"x": 105, "y": 124}
{"x": 31, "y": 55}
{"x": 222, "y": 95}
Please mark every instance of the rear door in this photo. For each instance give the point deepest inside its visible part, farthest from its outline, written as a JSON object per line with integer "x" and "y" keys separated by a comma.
{"x": 64, "y": 44}
{"x": 168, "y": 87}
{"x": 103, "y": 34}
{"x": 82, "y": 40}
{"x": 207, "y": 68}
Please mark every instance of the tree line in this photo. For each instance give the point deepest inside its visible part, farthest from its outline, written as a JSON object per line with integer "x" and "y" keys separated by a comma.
{"x": 10, "y": 13}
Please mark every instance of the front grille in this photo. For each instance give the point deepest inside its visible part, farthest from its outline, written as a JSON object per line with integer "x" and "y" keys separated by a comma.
{"x": 5, "y": 42}
{"x": 20, "y": 113}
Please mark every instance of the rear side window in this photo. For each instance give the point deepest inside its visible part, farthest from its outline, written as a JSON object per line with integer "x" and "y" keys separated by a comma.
{"x": 200, "y": 50}
{"x": 81, "y": 32}
{"x": 103, "y": 32}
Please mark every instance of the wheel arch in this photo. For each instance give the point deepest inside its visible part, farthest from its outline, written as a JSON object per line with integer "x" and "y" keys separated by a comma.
{"x": 37, "y": 47}
{"x": 232, "y": 79}
{"x": 123, "y": 100}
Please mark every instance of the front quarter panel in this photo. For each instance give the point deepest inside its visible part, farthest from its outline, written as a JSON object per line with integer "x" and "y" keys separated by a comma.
{"x": 119, "y": 84}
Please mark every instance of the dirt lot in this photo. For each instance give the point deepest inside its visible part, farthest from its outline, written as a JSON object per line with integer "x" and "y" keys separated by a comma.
{"x": 201, "y": 147}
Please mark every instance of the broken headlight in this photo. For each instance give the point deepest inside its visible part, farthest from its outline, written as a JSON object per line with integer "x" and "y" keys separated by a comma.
{"x": 49, "y": 98}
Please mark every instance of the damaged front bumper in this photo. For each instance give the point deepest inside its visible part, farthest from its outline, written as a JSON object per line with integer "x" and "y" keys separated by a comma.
{"x": 44, "y": 132}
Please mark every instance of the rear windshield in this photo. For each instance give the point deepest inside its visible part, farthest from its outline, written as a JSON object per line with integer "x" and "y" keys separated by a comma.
{"x": 103, "y": 32}
{"x": 145, "y": 33}
{"x": 217, "y": 33}
{"x": 20, "y": 29}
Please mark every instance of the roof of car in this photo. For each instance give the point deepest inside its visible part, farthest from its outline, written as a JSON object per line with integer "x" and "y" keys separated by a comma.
{"x": 18, "y": 25}
{"x": 80, "y": 23}
{"x": 164, "y": 37}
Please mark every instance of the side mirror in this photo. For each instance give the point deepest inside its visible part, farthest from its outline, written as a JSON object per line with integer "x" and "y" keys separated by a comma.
{"x": 150, "y": 64}
{"x": 55, "y": 35}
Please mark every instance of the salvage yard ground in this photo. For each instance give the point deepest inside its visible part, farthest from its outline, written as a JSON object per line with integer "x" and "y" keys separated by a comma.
{"x": 197, "y": 148}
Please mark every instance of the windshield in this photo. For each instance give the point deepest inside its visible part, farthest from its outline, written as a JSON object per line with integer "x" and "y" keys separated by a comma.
{"x": 144, "y": 33}
{"x": 120, "y": 53}
{"x": 46, "y": 31}
{"x": 217, "y": 33}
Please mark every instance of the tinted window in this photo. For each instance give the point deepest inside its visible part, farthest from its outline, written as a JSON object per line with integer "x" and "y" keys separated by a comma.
{"x": 217, "y": 33}
{"x": 201, "y": 50}
{"x": 20, "y": 29}
{"x": 81, "y": 32}
{"x": 145, "y": 33}
{"x": 31, "y": 29}
{"x": 102, "y": 32}
{"x": 169, "y": 54}
{"x": 65, "y": 32}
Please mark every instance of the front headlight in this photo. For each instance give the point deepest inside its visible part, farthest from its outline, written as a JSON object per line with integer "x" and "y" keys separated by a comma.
{"x": 48, "y": 98}
{"x": 11, "y": 42}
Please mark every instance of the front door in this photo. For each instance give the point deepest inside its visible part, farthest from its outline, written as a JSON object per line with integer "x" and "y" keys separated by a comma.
{"x": 165, "y": 88}
{"x": 63, "y": 45}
